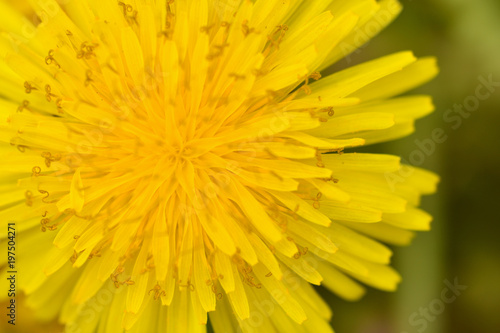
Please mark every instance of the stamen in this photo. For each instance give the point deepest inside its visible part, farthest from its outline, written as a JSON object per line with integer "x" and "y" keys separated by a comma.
{"x": 272, "y": 96}
{"x": 319, "y": 160}
{"x": 149, "y": 265}
{"x": 28, "y": 87}
{"x": 206, "y": 29}
{"x": 47, "y": 194}
{"x": 128, "y": 282}
{"x": 129, "y": 13}
{"x": 246, "y": 29}
{"x": 302, "y": 251}
{"x": 307, "y": 90}
{"x": 36, "y": 171}
{"x": 23, "y": 106}
{"x": 29, "y": 198}
{"x": 315, "y": 76}
{"x": 95, "y": 253}
{"x": 48, "y": 93}
{"x": 114, "y": 277}
{"x": 74, "y": 257}
{"x": 237, "y": 76}
{"x": 59, "y": 105}
{"x": 126, "y": 8}
{"x": 166, "y": 33}
{"x": 249, "y": 279}
{"x": 331, "y": 112}
{"x": 245, "y": 269}
{"x": 88, "y": 80}
{"x": 330, "y": 179}
{"x": 169, "y": 24}
{"x": 49, "y": 158}
{"x": 258, "y": 72}
{"x": 49, "y": 60}
{"x": 158, "y": 292}
{"x": 86, "y": 50}
{"x": 227, "y": 26}
{"x": 275, "y": 39}
{"x": 219, "y": 50}
{"x": 316, "y": 204}
{"x": 44, "y": 222}
{"x": 339, "y": 151}
{"x": 187, "y": 285}
{"x": 214, "y": 290}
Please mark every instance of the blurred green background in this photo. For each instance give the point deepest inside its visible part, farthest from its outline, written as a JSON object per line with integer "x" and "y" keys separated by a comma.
{"x": 464, "y": 241}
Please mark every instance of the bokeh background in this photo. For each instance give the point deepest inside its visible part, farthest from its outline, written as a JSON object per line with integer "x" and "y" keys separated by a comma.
{"x": 464, "y": 241}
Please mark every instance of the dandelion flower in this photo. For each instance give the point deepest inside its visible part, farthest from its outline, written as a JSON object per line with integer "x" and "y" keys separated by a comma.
{"x": 171, "y": 163}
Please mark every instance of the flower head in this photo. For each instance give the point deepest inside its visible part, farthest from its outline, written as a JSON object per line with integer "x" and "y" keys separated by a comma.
{"x": 166, "y": 160}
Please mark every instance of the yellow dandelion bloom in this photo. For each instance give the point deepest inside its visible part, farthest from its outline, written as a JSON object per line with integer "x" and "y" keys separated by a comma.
{"x": 167, "y": 163}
